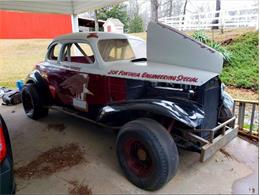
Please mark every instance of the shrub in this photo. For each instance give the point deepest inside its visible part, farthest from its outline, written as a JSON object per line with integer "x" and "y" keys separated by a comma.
{"x": 218, "y": 47}
{"x": 136, "y": 25}
{"x": 202, "y": 37}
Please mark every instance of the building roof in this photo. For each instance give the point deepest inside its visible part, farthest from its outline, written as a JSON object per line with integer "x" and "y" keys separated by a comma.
{"x": 114, "y": 21}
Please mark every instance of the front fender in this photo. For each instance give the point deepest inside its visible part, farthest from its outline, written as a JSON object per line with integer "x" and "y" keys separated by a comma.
{"x": 183, "y": 111}
{"x": 41, "y": 84}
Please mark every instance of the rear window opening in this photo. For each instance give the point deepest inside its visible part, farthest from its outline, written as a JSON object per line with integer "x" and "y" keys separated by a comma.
{"x": 115, "y": 50}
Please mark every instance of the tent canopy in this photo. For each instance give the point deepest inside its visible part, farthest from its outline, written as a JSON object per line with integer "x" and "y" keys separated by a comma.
{"x": 72, "y": 7}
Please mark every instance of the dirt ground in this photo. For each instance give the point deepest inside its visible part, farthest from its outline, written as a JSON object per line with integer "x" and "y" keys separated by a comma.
{"x": 242, "y": 94}
{"x": 228, "y": 34}
{"x": 61, "y": 154}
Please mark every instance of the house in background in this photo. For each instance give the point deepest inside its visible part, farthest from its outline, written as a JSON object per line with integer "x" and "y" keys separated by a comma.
{"x": 113, "y": 25}
{"x": 88, "y": 24}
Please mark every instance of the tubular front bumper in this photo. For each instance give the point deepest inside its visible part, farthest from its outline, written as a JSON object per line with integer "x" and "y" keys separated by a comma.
{"x": 213, "y": 144}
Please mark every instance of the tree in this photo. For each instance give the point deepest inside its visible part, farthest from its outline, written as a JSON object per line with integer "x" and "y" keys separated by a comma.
{"x": 184, "y": 11}
{"x": 170, "y": 7}
{"x": 216, "y": 21}
{"x": 175, "y": 7}
{"x": 133, "y": 8}
{"x": 96, "y": 21}
{"x": 136, "y": 25}
{"x": 116, "y": 11}
{"x": 154, "y": 10}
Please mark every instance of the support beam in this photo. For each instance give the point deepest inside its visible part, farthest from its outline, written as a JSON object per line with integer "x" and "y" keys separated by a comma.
{"x": 75, "y": 23}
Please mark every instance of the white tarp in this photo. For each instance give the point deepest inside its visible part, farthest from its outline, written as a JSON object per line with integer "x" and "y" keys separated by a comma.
{"x": 55, "y": 6}
{"x": 168, "y": 46}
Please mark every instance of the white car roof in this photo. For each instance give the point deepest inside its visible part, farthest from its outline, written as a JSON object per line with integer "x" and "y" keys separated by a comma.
{"x": 100, "y": 35}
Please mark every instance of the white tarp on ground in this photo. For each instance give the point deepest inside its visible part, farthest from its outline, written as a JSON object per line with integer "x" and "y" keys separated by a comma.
{"x": 55, "y": 6}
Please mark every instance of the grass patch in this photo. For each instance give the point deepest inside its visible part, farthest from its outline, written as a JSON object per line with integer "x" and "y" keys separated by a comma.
{"x": 247, "y": 126}
{"x": 142, "y": 35}
{"x": 18, "y": 57}
{"x": 242, "y": 70}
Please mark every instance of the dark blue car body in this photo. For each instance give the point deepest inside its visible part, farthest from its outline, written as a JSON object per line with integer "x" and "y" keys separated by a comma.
{"x": 7, "y": 183}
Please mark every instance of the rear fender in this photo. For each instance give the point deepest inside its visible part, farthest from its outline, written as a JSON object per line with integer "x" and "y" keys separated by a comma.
{"x": 185, "y": 112}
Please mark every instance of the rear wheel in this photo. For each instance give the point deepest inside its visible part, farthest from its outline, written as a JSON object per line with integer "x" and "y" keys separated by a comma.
{"x": 32, "y": 102}
{"x": 147, "y": 153}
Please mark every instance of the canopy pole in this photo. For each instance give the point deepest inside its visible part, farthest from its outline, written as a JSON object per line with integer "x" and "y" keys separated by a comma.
{"x": 75, "y": 23}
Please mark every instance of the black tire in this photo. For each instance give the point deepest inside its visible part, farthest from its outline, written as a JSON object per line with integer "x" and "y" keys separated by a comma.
{"x": 147, "y": 154}
{"x": 32, "y": 102}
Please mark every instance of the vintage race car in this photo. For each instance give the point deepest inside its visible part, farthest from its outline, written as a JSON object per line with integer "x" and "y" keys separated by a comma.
{"x": 158, "y": 96}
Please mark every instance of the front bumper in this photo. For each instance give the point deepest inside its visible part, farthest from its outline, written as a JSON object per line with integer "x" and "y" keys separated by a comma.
{"x": 214, "y": 143}
{"x": 220, "y": 141}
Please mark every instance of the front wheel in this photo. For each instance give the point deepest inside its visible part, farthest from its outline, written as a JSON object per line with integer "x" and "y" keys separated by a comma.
{"x": 225, "y": 114}
{"x": 147, "y": 154}
{"x": 33, "y": 102}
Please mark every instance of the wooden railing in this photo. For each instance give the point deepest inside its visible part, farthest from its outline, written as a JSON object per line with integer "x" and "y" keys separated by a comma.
{"x": 247, "y": 110}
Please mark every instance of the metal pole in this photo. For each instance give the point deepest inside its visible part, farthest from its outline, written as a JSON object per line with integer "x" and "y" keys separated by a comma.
{"x": 75, "y": 23}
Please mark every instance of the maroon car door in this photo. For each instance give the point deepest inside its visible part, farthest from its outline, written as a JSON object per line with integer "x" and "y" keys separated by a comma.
{"x": 56, "y": 73}
{"x": 77, "y": 86}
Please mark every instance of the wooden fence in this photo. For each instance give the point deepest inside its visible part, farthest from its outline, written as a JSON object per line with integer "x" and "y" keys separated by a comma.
{"x": 247, "y": 117}
{"x": 232, "y": 18}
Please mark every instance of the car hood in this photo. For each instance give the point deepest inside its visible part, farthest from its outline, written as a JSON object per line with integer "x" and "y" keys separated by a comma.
{"x": 172, "y": 57}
